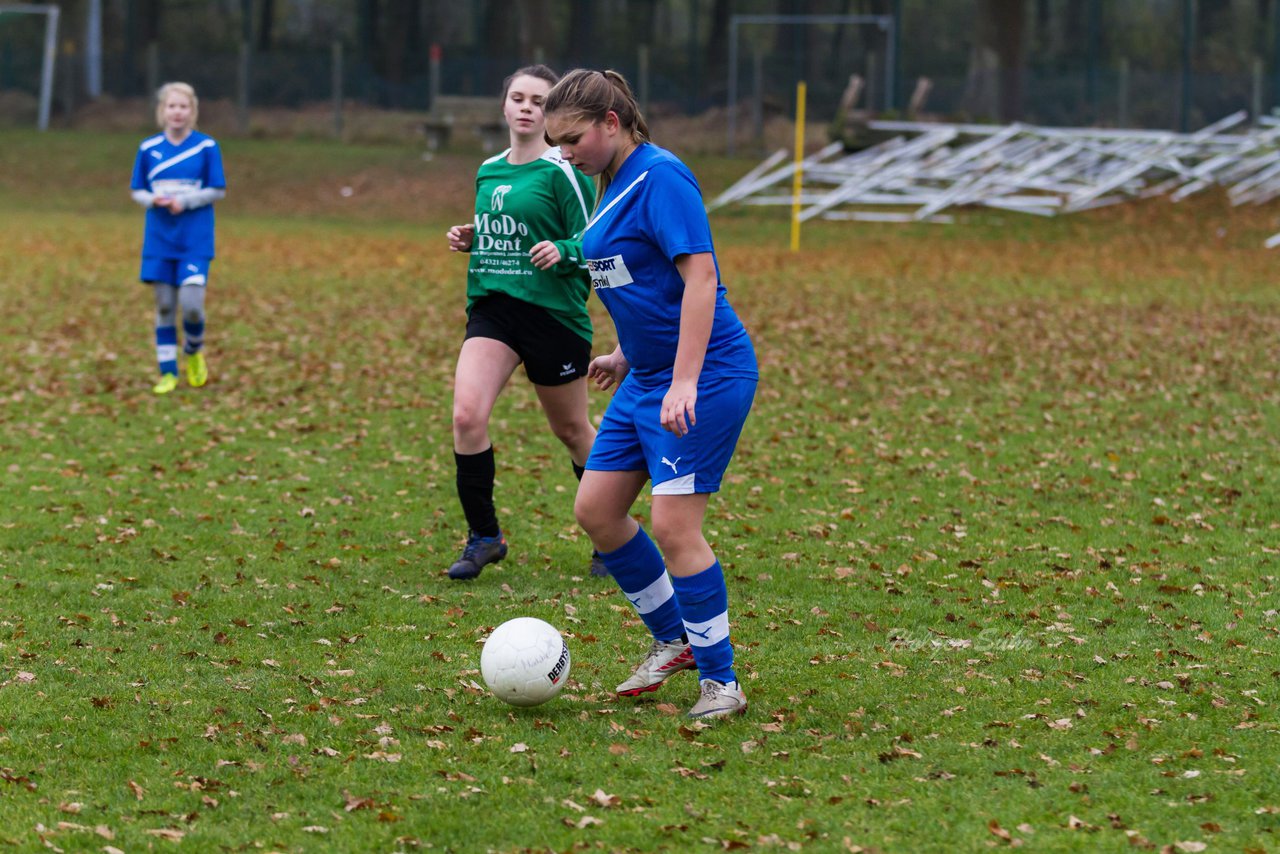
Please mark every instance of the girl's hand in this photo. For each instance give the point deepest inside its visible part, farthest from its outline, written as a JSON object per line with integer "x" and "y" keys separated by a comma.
{"x": 678, "y": 414}
{"x": 607, "y": 370}
{"x": 174, "y": 205}
{"x": 461, "y": 237}
{"x": 544, "y": 255}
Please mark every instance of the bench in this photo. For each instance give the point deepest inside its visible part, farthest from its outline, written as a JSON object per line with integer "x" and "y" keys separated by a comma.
{"x": 481, "y": 116}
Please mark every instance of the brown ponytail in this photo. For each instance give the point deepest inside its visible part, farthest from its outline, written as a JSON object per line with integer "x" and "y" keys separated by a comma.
{"x": 592, "y": 95}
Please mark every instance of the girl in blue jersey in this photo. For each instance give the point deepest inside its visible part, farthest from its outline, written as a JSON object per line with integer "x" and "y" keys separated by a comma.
{"x": 686, "y": 374}
{"x": 177, "y": 176}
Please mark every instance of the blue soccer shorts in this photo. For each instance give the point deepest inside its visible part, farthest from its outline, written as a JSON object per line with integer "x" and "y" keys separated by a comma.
{"x": 631, "y": 438}
{"x": 175, "y": 271}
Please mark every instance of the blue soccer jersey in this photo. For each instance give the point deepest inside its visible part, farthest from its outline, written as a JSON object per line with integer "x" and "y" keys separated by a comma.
{"x": 652, "y": 213}
{"x": 166, "y": 169}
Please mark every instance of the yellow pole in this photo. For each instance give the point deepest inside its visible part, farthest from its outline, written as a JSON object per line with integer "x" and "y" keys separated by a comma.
{"x": 798, "y": 178}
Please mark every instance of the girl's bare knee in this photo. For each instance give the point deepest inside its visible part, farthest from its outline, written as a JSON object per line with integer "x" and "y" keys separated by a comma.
{"x": 572, "y": 433}
{"x": 587, "y": 516}
{"x": 468, "y": 422}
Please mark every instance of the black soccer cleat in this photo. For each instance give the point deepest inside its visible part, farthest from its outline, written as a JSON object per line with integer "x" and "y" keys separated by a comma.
{"x": 477, "y": 554}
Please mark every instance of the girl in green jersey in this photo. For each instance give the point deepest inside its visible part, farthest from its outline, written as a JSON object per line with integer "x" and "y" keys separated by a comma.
{"x": 527, "y": 288}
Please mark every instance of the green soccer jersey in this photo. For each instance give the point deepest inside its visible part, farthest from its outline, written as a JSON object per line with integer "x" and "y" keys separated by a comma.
{"x": 518, "y": 207}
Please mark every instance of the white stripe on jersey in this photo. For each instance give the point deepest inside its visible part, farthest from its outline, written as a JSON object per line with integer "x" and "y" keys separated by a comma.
{"x": 709, "y": 633}
{"x": 617, "y": 199}
{"x": 553, "y": 155}
{"x": 153, "y": 142}
{"x": 173, "y": 186}
{"x": 496, "y": 157}
{"x": 165, "y": 164}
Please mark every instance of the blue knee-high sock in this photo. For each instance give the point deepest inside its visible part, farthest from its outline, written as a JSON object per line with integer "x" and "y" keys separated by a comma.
{"x": 640, "y": 572}
{"x": 704, "y": 604}
{"x": 192, "y": 336}
{"x": 167, "y": 349}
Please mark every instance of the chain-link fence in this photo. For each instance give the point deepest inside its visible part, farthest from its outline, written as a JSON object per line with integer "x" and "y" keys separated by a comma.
{"x": 675, "y": 78}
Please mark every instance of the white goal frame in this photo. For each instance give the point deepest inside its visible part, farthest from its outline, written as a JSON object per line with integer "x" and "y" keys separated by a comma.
{"x": 50, "y": 49}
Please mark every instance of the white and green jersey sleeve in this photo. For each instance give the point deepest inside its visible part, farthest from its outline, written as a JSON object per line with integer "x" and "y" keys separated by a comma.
{"x": 518, "y": 207}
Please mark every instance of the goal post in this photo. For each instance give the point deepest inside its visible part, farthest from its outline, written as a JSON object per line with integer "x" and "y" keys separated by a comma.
{"x": 51, "y": 13}
{"x": 885, "y": 23}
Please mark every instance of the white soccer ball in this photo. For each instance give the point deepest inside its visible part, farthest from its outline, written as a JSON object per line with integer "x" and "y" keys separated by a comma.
{"x": 525, "y": 662}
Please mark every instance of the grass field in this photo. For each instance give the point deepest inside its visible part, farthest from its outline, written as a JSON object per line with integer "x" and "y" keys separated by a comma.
{"x": 1002, "y": 537}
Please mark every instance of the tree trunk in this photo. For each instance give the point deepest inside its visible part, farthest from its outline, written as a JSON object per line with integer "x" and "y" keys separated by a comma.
{"x": 1010, "y": 31}
{"x": 784, "y": 36}
{"x": 717, "y": 52}
{"x": 1211, "y": 17}
{"x": 266, "y": 17}
{"x": 1262, "y": 26}
{"x": 401, "y": 42}
{"x": 994, "y": 88}
{"x": 1075, "y": 29}
{"x": 537, "y": 32}
{"x": 150, "y": 20}
{"x": 499, "y": 33}
{"x": 1044, "y": 26}
{"x": 642, "y": 21}
{"x": 367, "y": 30}
{"x": 582, "y": 32}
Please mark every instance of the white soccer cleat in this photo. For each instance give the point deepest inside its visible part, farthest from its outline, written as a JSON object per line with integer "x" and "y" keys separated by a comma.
{"x": 719, "y": 700}
{"x": 664, "y": 658}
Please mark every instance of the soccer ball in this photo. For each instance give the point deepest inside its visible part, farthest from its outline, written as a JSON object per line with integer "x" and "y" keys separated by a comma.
{"x": 525, "y": 662}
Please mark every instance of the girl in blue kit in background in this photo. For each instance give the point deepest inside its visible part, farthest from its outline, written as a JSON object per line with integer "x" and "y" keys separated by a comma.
{"x": 177, "y": 176}
{"x": 687, "y": 375}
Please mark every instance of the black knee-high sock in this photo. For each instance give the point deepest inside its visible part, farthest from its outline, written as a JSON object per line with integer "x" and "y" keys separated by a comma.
{"x": 476, "y": 473}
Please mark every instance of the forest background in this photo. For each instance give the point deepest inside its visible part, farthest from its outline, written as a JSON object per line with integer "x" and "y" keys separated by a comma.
{"x": 1153, "y": 63}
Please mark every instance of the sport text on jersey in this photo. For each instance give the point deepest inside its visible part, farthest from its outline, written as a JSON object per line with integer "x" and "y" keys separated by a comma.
{"x": 609, "y": 272}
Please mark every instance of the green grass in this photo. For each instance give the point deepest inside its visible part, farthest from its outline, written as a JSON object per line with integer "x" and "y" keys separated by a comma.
{"x": 1001, "y": 536}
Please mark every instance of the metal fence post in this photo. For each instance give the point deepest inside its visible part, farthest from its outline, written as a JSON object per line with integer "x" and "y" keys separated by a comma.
{"x": 242, "y": 89}
{"x": 47, "y": 68}
{"x": 93, "y": 50}
{"x": 1255, "y": 108}
{"x": 153, "y": 68}
{"x": 642, "y": 61}
{"x": 732, "y": 123}
{"x": 337, "y": 88}
{"x": 1188, "y": 33}
{"x": 68, "y": 78}
{"x": 434, "y": 55}
{"x": 1122, "y": 96}
{"x": 757, "y": 99}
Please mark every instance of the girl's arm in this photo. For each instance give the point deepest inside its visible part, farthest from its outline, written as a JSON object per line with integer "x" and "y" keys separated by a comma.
{"x": 610, "y": 369}
{"x": 200, "y": 198}
{"x": 461, "y": 237}
{"x": 194, "y": 199}
{"x": 697, "y": 311}
{"x": 574, "y": 196}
